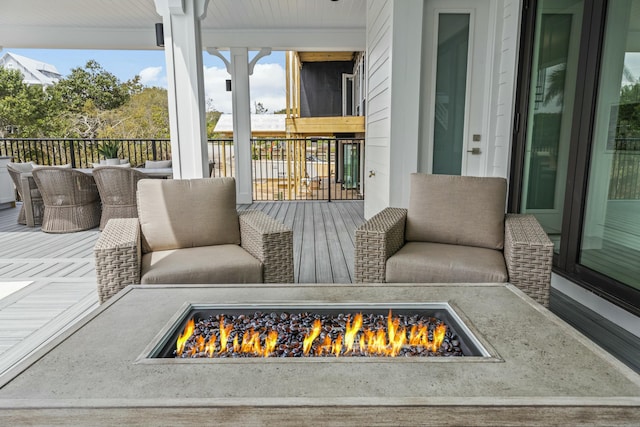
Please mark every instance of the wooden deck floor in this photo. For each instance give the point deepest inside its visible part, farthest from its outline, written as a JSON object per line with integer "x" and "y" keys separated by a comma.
{"x": 60, "y": 277}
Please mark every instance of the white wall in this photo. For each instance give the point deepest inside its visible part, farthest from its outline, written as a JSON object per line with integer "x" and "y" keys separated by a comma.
{"x": 394, "y": 33}
{"x": 378, "y": 109}
{"x": 506, "y": 63}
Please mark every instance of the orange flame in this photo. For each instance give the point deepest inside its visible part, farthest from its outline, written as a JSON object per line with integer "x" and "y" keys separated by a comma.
{"x": 270, "y": 343}
{"x": 182, "y": 339}
{"x": 225, "y": 331}
{"x": 336, "y": 346}
{"x": 368, "y": 341}
{"x": 351, "y": 331}
{"x": 308, "y": 340}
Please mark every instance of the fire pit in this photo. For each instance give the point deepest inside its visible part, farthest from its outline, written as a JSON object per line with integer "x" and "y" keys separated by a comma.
{"x": 112, "y": 368}
{"x": 337, "y": 330}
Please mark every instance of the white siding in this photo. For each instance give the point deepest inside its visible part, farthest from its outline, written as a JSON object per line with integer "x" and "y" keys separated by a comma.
{"x": 394, "y": 31}
{"x": 506, "y": 57}
{"x": 405, "y": 100}
{"x": 377, "y": 161}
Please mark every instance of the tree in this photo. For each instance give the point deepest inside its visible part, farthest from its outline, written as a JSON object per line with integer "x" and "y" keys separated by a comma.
{"x": 212, "y": 119}
{"x": 27, "y": 111}
{"x": 145, "y": 115}
{"x": 88, "y": 93}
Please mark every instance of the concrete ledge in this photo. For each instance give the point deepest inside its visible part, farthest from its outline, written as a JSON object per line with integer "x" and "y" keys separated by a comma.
{"x": 548, "y": 373}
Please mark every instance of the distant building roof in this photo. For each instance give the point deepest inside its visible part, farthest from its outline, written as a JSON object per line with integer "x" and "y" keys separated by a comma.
{"x": 34, "y": 72}
{"x": 260, "y": 124}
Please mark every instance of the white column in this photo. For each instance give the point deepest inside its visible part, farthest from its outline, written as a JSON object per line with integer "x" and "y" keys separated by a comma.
{"x": 240, "y": 95}
{"x": 185, "y": 84}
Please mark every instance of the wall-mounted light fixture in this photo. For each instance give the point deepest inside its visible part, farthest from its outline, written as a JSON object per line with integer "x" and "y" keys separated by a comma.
{"x": 159, "y": 35}
{"x": 228, "y": 82}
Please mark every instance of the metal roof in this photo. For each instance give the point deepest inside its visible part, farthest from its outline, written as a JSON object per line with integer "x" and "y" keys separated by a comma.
{"x": 34, "y": 71}
{"x": 260, "y": 123}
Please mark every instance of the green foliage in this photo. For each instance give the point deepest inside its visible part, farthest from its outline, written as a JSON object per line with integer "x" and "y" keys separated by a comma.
{"x": 87, "y": 94}
{"x": 92, "y": 85}
{"x": 89, "y": 103}
{"x": 28, "y": 111}
{"x": 109, "y": 149}
{"x": 628, "y": 125}
{"x": 146, "y": 115}
{"x": 212, "y": 121}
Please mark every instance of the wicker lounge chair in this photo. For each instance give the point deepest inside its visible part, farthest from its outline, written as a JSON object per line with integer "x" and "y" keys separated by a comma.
{"x": 189, "y": 232}
{"x": 455, "y": 230}
{"x": 32, "y": 205}
{"x": 117, "y": 187}
{"x": 71, "y": 199}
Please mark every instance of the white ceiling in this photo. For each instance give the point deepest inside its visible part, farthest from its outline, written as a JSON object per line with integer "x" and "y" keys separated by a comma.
{"x": 129, "y": 24}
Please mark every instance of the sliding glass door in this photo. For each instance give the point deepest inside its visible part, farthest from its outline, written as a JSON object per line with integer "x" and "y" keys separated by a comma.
{"x": 551, "y": 105}
{"x": 611, "y": 231}
{"x": 576, "y": 161}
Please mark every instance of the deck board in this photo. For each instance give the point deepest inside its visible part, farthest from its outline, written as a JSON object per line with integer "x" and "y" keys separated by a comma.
{"x": 307, "y": 260}
{"x": 60, "y": 268}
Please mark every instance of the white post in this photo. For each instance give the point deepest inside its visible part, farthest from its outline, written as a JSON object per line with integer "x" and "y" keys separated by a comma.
{"x": 240, "y": 96}
{"x": 185, "y": 85}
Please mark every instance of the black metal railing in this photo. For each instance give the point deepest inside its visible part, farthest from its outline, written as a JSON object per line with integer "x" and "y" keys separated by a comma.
{"x": 624, "y": 183}
{"x": 81, "y": 153}
{"x": 297, "y": 169}
{"x": 281, "y": 168}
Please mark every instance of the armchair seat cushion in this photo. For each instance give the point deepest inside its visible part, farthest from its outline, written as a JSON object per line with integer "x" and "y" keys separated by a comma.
{"x": 204, "y": 264}
{"x": 427, "y": 262}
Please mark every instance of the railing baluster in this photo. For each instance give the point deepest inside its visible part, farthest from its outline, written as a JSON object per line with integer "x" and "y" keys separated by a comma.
{"x": 297, "y": 166}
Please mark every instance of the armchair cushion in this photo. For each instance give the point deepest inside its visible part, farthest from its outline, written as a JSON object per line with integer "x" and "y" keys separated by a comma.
{"x": 206, "y": 264}
{"x": 23, "y": 167}
{"x": 157, "y": 164}
{"x": 177, "y": 214}
{"x": 457, "y": 210}
{"x": 443, "y": 263}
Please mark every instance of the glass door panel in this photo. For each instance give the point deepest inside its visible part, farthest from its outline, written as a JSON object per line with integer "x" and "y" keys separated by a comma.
{"x": 451, "y": 85}
{"x": 551, "y": 99}
{"x": 611, "y": 231}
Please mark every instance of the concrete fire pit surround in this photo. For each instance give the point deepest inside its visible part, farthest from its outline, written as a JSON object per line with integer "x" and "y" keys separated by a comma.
{"x": 540, "y": 372}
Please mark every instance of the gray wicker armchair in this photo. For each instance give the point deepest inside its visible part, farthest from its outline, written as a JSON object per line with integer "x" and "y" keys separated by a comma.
{"x": 32, "y": 205}
{"x": 117, "y": 187}
{"x": 71, "y": 199}
{"x": 189, "y": 232}
{"x": 455, "y": 230}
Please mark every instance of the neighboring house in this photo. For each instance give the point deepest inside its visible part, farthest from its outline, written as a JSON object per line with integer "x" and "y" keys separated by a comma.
{"x": 325, "y": 94}
{"x": 262, "y": 125}
{"x": 35, "y": 72}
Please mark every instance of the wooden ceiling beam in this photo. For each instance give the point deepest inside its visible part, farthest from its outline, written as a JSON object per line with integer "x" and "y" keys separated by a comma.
{"x": 325, "y": 56}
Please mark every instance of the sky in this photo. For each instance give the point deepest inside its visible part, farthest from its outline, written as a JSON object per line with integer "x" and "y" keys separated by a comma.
{"x": 267, "y": 81}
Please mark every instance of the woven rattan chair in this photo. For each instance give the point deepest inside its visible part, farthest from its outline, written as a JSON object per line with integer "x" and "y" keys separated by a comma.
{"x": 32, "y": 205}
{"x": 455, "y": 230}
{"x": 71, "y": 199}
{"x": 189, "y": 232}
{"x": 117, "y": 187}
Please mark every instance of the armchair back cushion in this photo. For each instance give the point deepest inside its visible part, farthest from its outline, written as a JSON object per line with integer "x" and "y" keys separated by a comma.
{"x": 22, "y": 167}
{"x": 185, "y": 213}
{"x": 457, "y": 210}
